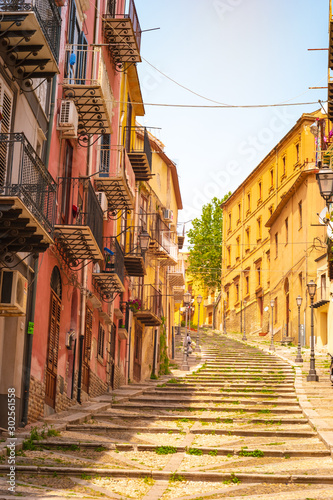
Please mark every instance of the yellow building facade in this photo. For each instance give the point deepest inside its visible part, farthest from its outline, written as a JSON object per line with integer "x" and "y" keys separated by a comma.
{"x": 271, "y": 238}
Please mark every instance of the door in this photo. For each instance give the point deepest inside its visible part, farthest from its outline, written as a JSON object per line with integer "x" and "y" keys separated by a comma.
{"x": 86, "y": 351}
{"x": 137, "y": 353}
{"x": 52, "y": 351}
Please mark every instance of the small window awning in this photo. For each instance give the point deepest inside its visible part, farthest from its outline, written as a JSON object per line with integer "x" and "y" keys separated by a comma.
{"x": 320, "y": 303}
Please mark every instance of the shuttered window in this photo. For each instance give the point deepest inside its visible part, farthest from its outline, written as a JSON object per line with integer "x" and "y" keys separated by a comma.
{"x": 52, "y": 358}
{"x": 6, "y": 100}
{"x": 100, "y": 342}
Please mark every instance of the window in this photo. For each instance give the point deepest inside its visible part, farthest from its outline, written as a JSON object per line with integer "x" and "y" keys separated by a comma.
{"x": 238, "y": 247}
{"x": 272, "y": 177}
{"x": 287, "y": 231}
{"x": 276, "y": 238}
{"x": 323, "y": 286}
{"x": 258, "y": 272}
{"x": 228, "y": 299}
{"x": 259, "y": 229}
{"x": 237, "y": 291}
{"x": 283, "y": 166}
{"x": 300, "y": 214}
{"x": 228, "y": 257}
{"x": 100, "y": 342}
{"x": 249, "y": 202}
{"x": 297, "y": 152}
{"x": 300, "y": 278}
{"x": 247, "y": 285}
{"x": 247, "y": 239}
{"x": 271, "y": 210}
{"x": 239, "y": 212}
{"x": 229, "y": 228}
{"x": 259, "y": 190}
{"x": 105, "y": 155}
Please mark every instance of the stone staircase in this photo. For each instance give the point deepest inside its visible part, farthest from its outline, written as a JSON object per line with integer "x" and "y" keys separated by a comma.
{"x": 230, "y": 428}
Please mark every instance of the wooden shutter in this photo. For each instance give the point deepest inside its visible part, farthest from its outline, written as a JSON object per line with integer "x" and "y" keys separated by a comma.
{"x": 54, "y": 330}
{"x": 6, "y": 114}
{"x": 88, "y": 336}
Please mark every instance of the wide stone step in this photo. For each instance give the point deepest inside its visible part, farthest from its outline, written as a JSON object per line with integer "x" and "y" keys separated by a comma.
{"x": 162, "y": 399}
{"x": 147, "y": 406}
{"x": 278, "y": 388}
{"x": 198, "y": 392}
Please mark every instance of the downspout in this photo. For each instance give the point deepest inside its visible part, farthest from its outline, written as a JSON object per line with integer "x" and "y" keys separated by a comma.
{"x": 50, "y": 128}
{"x": 26, "y": 389}
{"x": 82, "y": 324}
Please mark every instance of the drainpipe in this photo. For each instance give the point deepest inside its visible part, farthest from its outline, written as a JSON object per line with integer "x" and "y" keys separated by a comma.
{"x": 49, "y": 131}
{"x": 82, "y": 324}
{"x": 27, "y": 371}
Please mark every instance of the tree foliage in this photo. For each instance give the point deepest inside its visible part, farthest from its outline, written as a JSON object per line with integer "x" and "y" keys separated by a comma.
{"x": 205, "y": 238}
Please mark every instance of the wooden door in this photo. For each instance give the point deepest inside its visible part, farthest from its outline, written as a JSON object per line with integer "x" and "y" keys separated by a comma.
{"x": 137, "y": 353}
{"x": 86, "y": 351}
{"x": 52, "y": 350}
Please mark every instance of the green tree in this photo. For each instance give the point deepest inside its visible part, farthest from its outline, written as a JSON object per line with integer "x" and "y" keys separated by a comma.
{"x": 205, "y": 238}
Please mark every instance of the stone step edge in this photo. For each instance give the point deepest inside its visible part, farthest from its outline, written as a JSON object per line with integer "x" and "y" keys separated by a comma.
{"x": 164, "y": 390}
{"x": 198, "y": 418}
{"x": 211, "y": 400}
{"x": 272, "y": 411}
{"x": 161, "y": 475}
{"x": 176, "y": 430}
{"x": 288, "y": 387}
{"x": 182, "y": 449}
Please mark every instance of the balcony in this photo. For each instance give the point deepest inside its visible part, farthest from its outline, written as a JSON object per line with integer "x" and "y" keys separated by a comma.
{"x": 133, "y": 256}
{"x": 79, "y": 227}
{"x": 161, "y": 244}
{"x": 178, "y": 294}
{"x": 139, "y": 152}
{"x": 87, "y": 83}
{"x": 29, "y": 38}
{"x": 209, "y": 301}
{"x": 110, "y": 280}
{"x": 176, "y": 274}
{"x": 27, "y": 197}
{"x": 151, "y": 301}
{"x": 123, "y": 34}
{"x": 116, "y": 178}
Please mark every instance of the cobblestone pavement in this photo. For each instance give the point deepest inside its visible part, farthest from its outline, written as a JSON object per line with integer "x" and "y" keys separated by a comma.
{"x": 231, "y": 427}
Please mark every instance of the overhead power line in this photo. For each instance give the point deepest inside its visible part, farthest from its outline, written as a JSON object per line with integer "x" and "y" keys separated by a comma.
{"x": 222, "y": 106}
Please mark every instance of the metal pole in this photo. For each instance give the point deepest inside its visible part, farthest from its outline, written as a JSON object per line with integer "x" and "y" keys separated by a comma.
{"x": 312, "y": 377}
{"x": 185, "y": 361}
{"x": 244, "y": 333}
{"x": 224, "y": 319}
{"x": 179, "y": 321}
{"x": 241, "y": 316}
{"x": 271, "y": 347}
{"x": 299, "y": 358}
{"x": 198, "y": 346}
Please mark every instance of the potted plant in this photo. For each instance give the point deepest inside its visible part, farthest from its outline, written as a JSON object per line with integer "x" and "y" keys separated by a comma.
{"x": 134, "y": 305}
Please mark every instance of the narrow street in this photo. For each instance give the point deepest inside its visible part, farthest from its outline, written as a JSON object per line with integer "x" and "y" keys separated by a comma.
{"x": 231, "y": 428}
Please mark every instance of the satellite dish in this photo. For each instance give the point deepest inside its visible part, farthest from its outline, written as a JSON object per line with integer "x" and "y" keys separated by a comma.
{"x": 330, "y": 232}
{"x": 322, "y": 216}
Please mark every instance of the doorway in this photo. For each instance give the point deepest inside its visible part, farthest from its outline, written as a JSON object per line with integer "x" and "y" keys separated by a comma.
{"x": 86, "y": 351}
{"x": 137, "y": 353}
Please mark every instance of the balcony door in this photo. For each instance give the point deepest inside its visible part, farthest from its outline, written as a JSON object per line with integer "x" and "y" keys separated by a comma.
{"x": 137, "y": 353}
{"x": 86, "y": 351}
{"x": 53, "y": 339}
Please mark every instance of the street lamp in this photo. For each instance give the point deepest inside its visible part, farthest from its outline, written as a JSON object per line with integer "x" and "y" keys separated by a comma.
{"x": 271, "y": 347}
{"x": 144, "y": 239}
{"x": 325, "y": 181}
{"x": 187, "y": 301}
{"x": 312, "y": 377}
{"x": 199, "y": 300}
{"x": 244, "y": 332}
{"x": 299, "y": 358}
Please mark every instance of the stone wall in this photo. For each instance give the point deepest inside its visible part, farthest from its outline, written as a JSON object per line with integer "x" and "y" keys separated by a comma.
{"x": 252, "y": 318}
{"x": 36, "y": 400}
{"x": 96, "y": 385}
{"x": 118, "y": 378}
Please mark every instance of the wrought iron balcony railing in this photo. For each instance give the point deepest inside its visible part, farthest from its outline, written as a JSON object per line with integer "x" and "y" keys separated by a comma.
{"x": 110, "y": 279}
{"x": 134, "y": 257}
{"x": 80, "y": 221}
{"x": 137, "y": 144}
{"x": 23, "y": 175}
{"x": 116, "y": 177}
{"x": 123, "y": 32}
{"x": 87, "y": 83}
{"x": 161, "y": 243}
{"x": 151, "y": 305}
{"x": 176, "y": 274}
{"x": 25, "y": 26}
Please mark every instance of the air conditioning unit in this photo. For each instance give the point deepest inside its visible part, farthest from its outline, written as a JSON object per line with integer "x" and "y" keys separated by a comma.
{"x": 103, "y": 201}
{"x": 13, "y": 292}
{"x": 68, "y": 118}
{"x": 168, "y": 215}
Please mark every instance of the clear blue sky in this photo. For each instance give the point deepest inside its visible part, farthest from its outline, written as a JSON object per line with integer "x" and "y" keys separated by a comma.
{"x": 234, "y": 52}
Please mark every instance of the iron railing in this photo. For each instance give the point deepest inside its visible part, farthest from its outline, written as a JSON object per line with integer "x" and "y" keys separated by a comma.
{"x": 136, "y": 140}
{"x": 78, "y": 205}
{"x": 131, "y": 14}
{"x": 114, "y": 162}
{"x": 150, "y": 298}
{"x": 47, "y": 15}
{"x": 160, "y": 232}
{"x": 113, "y": 257}
{"x": 23, "y": 174}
